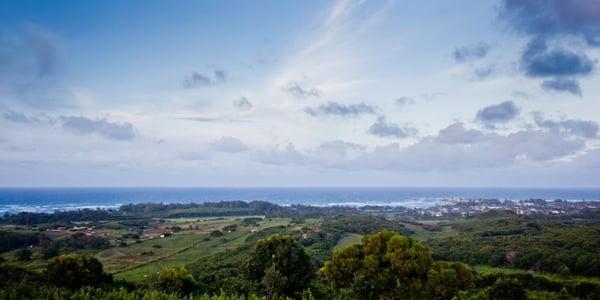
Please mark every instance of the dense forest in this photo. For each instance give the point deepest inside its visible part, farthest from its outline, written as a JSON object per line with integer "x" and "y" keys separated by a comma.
{"x": 257, "y": 250}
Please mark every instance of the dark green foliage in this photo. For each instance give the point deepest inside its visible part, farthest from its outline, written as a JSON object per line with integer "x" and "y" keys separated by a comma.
{"x": 321, "y": 243}
{"x": 578, "y": 288}
{"x": 386, "y": 265}
{"x": 221, "y": 272}
{"x": 74, "y": 271}
{"x": 446, "y": 279}
{"x": 255, "y": 237}
{"x": 363, "y": 224}
{"x": 586, "y": 290}
{"x": 13, "y": 240}
{"x": 173, "y": 281}
{"x": 216, "y": 233}
{"x": 13, "y": 275}
{"x": 507, "y": 289}
{"x": 81, "y": 241}
{"x": 50, "y": 250}
{"x": 250, "y": 222}
{"x": 278, "y": 265}
{"x": 230, "y": 228}
{"x": 23, "y": 254}
{"x": 31, "y": 218}
{"x": 507, "y": 239}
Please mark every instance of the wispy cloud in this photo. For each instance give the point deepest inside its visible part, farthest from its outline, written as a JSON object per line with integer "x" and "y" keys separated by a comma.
{"x": 196, "y": 79}
{"x": 383, "y": 128}
{"x": 340, "y": 110}
{"x": 78, "y": 125}
{"x": 243, "y": 104}
{"x": 470, "y": 53}
{"x": 297, "y": 90}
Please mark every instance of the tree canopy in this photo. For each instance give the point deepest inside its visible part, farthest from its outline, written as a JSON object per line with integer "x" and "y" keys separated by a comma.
{"x": 392, "y": 266}
{"x": 280, "y": 266}
{"x": 74, "y": 271}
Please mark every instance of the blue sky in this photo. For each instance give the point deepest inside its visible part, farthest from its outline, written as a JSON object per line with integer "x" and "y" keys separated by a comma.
{"x": 311, "y": 93}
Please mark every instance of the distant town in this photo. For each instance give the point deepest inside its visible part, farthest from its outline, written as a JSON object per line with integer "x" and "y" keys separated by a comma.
{"x": 458, "y": 207}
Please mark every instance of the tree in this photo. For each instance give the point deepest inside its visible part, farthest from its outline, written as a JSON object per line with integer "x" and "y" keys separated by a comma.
{"x": 387, "y": 265}
{"x": 446, "y": 279}
{"x": 23, "y": 254}
{"x": 279, "y": 266}
{"x": 174, "y": 281}
{"x": 216, "y": 233}
{"x": 74, "y": 271}
{"x": 51, "y": 250}
{"x": 507, "y": 288}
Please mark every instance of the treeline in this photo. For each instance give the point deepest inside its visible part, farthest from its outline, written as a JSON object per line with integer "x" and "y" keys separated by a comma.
{"x": 175, "y": 210}
{"x": 33, "y": 218}
{"x": 48, "y": 248}
{"x": 233, "y": 208}
{"x": 14, "y": 240}
{"x": 509, "y": 240}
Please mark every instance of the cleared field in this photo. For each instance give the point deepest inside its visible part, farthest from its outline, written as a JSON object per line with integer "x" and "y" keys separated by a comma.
{"x": 422, "y": 234}
{"x": 177, "y": 251}
{"x": 348, "y": 239}
{"x": 138, "y": 260}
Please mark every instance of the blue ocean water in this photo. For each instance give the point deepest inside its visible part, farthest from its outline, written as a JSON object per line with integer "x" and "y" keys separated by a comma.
{"x": 50, "y": 199}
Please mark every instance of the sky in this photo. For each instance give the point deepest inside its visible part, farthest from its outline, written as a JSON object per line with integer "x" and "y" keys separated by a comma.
{"x": 495, "y": 93}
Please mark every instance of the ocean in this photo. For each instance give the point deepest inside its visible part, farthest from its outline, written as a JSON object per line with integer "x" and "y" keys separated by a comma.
{"x": 51, "y": 199}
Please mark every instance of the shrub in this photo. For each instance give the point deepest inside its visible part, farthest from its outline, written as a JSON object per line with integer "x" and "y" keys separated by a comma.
{"x": 74, "y": 271}
{"x": 216, "y": 233}
{"x": 506, "y": 288}
{"x": 173, "y": 281}
{"x": 23, "y": 254}
{"x": 280, "y": 267}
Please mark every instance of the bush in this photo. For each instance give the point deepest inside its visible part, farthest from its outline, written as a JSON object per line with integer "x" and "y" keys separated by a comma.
{"x": 216, "y": 233}
{"x": 79, "y": 241}
{"x": 506, "y": 288}
{"x": 51, "y": 250}
{"x": 23, "y": 254}
{"x": 12, "y": 240}
{"x": 280, "y": 267}
{"x": 173, "y": 281}
{"x": 74, "y": 271}
{"x": 230, "y": 228}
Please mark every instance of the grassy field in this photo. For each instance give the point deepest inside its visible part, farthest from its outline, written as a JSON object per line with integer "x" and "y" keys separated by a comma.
{"x": 553, "y": 276}
{"x": 139, "y": 260}
{"x": 349, "y": 239}
{"x": 422, "y": 234}
{"x": 177, "y": 251}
